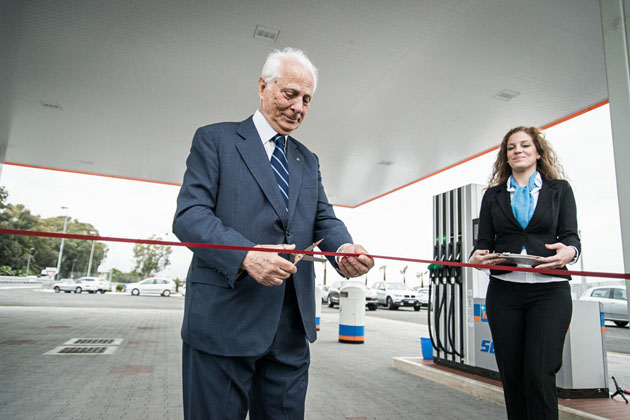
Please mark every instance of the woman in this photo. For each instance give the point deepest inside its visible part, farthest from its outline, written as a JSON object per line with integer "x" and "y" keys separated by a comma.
{"x": 528, "y": 209}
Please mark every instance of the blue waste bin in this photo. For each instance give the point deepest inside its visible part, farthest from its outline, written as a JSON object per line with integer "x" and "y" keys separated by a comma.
{"x": 427, "y": 348}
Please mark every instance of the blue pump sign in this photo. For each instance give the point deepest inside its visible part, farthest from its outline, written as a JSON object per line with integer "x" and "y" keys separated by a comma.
{"x": 487, "y": 346}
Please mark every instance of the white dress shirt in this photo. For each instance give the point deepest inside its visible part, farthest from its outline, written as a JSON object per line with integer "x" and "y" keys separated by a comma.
{"x": 266, "y": 133}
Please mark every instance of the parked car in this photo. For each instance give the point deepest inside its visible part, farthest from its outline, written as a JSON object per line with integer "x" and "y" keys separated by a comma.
{"x": 151, "y": 286}
{"x": 67, "y": 285}
{"x": 333, "y": 294}
{"x": 395, "y": 295}
{"x": 325, "y": 289}
{"x": 95, "y": 284}
{"x": 83, "y": 284}
{"x": 422, "y": 294}
{"x": 614, "y": 302}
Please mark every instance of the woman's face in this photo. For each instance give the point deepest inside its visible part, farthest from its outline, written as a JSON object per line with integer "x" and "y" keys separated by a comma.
{"x": 521, "y": 152}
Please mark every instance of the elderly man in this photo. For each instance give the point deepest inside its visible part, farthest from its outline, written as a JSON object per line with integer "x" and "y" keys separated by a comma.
{"x": 249, "y": 315}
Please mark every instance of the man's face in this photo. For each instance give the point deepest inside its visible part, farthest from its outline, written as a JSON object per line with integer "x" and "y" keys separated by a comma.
{"x": 285, "y": 102}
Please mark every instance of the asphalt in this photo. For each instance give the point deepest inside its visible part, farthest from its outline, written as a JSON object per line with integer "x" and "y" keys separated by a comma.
{"x": 141, "y": 379}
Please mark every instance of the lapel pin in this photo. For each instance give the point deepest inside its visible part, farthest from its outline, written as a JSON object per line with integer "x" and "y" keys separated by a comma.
{"x": 297, "y": 158}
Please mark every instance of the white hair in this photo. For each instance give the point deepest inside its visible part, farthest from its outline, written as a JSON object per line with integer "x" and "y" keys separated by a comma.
{"x": 271, "y": 69}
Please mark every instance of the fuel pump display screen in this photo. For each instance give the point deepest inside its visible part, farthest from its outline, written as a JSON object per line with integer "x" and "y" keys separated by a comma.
{"x": 475, "y": 231}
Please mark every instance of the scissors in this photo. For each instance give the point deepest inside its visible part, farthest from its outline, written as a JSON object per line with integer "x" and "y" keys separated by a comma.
{"x": 299, "y": 257}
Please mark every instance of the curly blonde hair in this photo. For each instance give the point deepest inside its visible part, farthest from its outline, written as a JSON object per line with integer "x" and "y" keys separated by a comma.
{"x": 548, "y": 165}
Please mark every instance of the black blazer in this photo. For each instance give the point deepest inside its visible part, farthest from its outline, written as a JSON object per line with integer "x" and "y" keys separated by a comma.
{"x": 554, "y": 220}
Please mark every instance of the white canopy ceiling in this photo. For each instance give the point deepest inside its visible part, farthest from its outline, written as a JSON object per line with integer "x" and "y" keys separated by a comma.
{"x": 407, "y": 87}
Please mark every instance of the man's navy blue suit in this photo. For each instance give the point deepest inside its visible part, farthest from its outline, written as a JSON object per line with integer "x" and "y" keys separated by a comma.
{"x": 230, "y": 196}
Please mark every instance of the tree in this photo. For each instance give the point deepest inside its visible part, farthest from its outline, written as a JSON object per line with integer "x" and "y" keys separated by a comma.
{"x": 119, "y": 277}
{"x": 14, "y": 250}
{"x": 151, "y": 259}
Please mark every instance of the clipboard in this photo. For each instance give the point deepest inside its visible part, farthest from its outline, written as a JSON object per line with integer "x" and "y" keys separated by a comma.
{"x": 299, "y": 257}
{"x": 522, "y": 259}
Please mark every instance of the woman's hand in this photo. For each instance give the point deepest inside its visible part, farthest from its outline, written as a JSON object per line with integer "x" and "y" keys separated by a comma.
{"x": 564, "y": 255}
{"x": 483, "y": 256}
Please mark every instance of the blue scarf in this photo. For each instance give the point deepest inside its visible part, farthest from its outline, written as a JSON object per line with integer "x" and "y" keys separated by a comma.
{"x": 523, "y": 202}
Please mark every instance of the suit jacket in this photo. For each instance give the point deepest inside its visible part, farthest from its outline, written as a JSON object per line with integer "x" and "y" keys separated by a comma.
{"x": 230, "y": 196}
{"x": 554, "y": 220}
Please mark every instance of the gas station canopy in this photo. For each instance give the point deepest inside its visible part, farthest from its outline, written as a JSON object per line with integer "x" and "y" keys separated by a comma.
{"x": 406, "y": 87}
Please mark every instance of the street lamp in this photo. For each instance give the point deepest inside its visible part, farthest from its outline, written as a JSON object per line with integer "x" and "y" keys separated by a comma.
{"x": 89, "y": 270}
{"x": 404, "y": 273}
{"x": 384, "y": 268}
{"x": 65, "y": 225}
{"x": 28, "y": 261}
{"x": 420, "y": 276}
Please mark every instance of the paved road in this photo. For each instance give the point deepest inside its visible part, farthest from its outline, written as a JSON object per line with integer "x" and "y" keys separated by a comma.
{"x": 618, "y": 339}
{"x": 47, "y": 298}
{"x": 142, "y": 378}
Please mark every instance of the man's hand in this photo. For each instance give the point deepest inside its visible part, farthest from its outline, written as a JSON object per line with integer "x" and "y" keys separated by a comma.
{"x": 268, "y": 268}
{"x": 564, "y": 255}
{"x": 355, "y": 266}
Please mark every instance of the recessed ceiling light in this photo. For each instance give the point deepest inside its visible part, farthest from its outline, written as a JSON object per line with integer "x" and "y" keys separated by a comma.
{"x": 506, "y": 95}
{"x": 386, "y": 162}
{"x": 266, "y": 33}
{"x": 51, "y": 105}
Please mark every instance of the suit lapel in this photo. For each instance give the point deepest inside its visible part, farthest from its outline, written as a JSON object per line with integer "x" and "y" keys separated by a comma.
{"x": 546, "y": 196}
{"x": 296, "y": 163}
{"x": 255, "y": 157}
{"x": 503, "y": 197}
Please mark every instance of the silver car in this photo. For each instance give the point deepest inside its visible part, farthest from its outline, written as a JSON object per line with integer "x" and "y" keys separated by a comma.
{"x": 67, "y": 285}
{"x": 614, "y": 302}
{"x": 151, "y": 286}
{"x": 395, "y": 295}
{"x": 422, "y": 294}
{"x": 325, "y": 290}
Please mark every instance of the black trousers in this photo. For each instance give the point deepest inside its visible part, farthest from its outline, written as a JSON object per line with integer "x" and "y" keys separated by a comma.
{"x": 271, "y": 386}
{"x": 529, "y": 323}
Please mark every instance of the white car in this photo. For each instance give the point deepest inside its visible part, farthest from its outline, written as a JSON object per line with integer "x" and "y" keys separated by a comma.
{"x": 325, "y": 289}
{"x": 395, "y": 295}
{"x": 83, "y": 284}
{"x": 614, "y": 302}
{"x": 422, "y": 294}
{"x": 151, "y": 286}
{"x": 67, "y": 285}
{"x": 94, "y": 284}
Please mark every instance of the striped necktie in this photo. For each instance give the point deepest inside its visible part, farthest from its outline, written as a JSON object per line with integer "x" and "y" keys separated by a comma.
{"x": 280, "y": 167}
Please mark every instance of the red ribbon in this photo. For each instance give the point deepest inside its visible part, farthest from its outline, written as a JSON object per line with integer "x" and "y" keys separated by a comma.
{"x": 552, "y": 271}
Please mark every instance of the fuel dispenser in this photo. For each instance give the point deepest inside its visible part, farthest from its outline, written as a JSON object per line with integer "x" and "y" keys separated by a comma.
{"x": 458, "y": 326}
{"x": 452, "y": 290}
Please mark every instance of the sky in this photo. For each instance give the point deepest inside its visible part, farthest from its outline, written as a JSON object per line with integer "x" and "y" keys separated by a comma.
{"x": 136, "y": 209}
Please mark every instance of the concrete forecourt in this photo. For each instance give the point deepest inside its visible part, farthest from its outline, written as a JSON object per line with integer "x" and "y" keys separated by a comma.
{"x": 139, "y": 375}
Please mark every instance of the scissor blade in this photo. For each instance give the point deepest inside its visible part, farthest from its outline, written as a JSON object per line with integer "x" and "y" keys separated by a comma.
{"x": 312, "y": 258}
{"x": 299, "y": 257}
